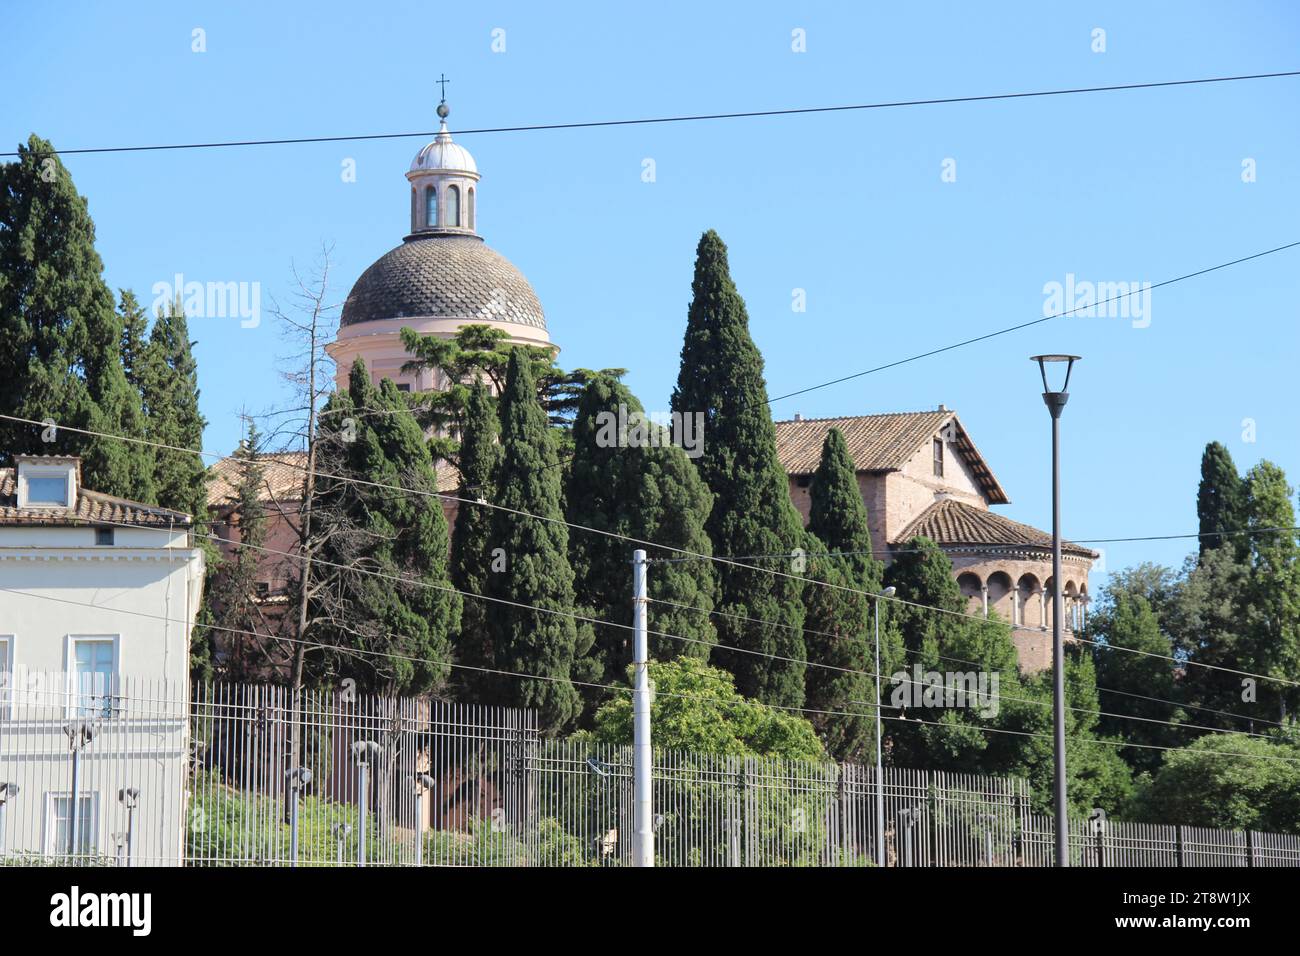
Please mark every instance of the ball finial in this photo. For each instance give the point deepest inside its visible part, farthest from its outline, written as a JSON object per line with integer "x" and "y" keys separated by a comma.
{"x": 443, "y": 110}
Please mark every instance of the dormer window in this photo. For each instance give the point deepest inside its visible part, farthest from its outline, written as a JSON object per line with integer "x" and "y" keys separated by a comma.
{"x": 46, "y": 482}
{"x": 938, "y": 457}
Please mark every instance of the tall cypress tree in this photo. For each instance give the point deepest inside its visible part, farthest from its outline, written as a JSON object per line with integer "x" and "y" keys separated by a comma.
{"x": 633, "y": 481}
{"x": 410, "y": 612}
{"x": 721, "y": 378}
{"x": 480, "y": 456}
{"x": 839, "y": 623}
{"x": 1272, "y": 612}
{"x": 169, "y": 383}
{"x": 531, "y": 567}
{"x": 1220, "y": 501}
{"x": 61, "y": 331}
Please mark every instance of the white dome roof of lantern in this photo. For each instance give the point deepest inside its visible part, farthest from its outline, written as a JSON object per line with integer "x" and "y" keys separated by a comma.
{"x": 443, "y": 155}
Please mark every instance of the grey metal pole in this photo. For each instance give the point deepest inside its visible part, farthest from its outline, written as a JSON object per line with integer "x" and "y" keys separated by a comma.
{"x": 1058, "y": 648}
{"x": 880, "y": 773}
{"x": 74, "y": 820}
{"x": 293, "y": 826}
{"x": 130, "y": 832}
{"x": 363, "y": 782}
{"x": 643, "y": 848}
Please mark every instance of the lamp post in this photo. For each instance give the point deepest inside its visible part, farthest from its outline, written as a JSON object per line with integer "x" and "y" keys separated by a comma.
{"x": 80, "y": 733}
{"x": 297, "y": 778}
{"x": 365, "y": 752}
{"x": 1055, "y": 401}
{"x": 880, "y": 770}
{"x": 129, "y": 797}
{"x": 423, "y": 784}
{"x": 7, "y": 792}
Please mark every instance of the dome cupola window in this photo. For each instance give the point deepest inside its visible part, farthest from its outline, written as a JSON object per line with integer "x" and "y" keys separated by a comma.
{"x": 445, "y": 174}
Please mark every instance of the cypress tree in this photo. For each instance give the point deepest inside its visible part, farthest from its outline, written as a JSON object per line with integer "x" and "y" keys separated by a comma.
{"x": 721, "y": 378}
{"x": 531, "y": 567}
{"x": 839, "y": 622}
{"x": 480, "y": 456}
{"x": 1220, "y": 501}
{"x": 170, "y": 385}
{"x": 1272, "y": 612}
{"x": 135, "y": 338}
{"x": 61, "y": 331}
{"x": 368, "y": 527}
{"x": 637, "y": 483}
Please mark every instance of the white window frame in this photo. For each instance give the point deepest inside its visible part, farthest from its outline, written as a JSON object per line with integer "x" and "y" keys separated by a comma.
{"x": 50, "y": 827}
{"x": 7, "y": 708}
{"x": 67, "y": 473}
{"x": 72, "y": 708}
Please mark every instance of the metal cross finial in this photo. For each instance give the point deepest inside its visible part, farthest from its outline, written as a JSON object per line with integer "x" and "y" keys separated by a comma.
{"x": 442, "y": 81}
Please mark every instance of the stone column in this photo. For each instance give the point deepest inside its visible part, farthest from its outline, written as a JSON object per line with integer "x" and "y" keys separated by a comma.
{"x": 984, "y": 592}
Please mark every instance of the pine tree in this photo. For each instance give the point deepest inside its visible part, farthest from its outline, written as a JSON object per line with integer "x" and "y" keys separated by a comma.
{"x": 534, "y": 568}
{"x": 637, "y": 483}
{"x": 1220, "y": 500}
{"x": 721, "y": 378}
{"x": 61, "y": 331}
{"x": 388, "y": 593}
{"x": 480, "y": 456}
{"x": 170, "y": 386}
{"x": 839, "y": 622}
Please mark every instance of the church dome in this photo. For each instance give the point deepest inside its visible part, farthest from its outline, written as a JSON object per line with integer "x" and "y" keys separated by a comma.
{"x": 443, "y": 154}
{"x": 443, "y": 276}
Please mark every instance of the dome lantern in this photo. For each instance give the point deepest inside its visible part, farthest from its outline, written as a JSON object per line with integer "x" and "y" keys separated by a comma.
{"x": 444, "y": 185}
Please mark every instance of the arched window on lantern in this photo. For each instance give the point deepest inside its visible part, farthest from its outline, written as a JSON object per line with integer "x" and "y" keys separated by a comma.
{"x": 471, "y": 207}
{"x": 415, "y": 209}
{"x": 453, "y": 205}
{"x": 430, "y": 206}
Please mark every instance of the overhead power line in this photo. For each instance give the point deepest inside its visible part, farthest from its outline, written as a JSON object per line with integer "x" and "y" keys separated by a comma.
{"x": 357, "y": 652}
{"x": 612, "y": 534}
{"x": 404, "y": 579}
{"x": 685, "y": 118}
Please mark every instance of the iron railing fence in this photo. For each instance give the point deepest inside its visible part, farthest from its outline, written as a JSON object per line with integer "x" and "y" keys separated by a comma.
{"x": 244, "y": 775}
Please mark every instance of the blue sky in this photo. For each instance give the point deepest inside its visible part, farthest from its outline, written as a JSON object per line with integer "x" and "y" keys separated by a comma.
{"x": 851, "y": 207}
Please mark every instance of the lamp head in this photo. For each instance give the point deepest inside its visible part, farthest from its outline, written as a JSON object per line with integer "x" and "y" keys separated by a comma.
{"x": 889, "y": 591}
{"x": 129, "y": 797}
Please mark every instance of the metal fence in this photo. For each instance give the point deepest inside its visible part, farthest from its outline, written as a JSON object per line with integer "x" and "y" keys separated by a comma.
{"x": 237, "y": 775}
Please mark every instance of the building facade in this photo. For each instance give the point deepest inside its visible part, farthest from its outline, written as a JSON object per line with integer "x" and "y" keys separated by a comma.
{"x": 98, "y": 598}
{"x": 922, "y": 476}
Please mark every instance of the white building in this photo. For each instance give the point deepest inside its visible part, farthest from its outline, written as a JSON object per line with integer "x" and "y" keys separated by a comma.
{"x": 98, "y": 596}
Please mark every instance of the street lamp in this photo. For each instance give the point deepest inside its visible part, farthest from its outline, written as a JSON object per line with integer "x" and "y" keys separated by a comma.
{"x": 7, "y": 790}
{"x": 423, "y": 784}
{"x": 129, "y": 797}
{"x": 80, "y": 733}
{"x": 297, "y": 779}
{"x": 366, "y": 752}
{"x": 1055, "y": 401}
{"x": 880, "y": 772}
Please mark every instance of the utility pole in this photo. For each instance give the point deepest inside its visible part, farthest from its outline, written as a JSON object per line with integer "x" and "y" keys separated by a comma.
{"x": 643, "y": 847}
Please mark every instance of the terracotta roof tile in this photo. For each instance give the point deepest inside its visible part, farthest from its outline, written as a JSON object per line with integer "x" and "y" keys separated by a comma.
{"x": 879, "y": 443}
{"x": 952, "y": 523}
{"x": 92, "y": 507}
{"x": 283, "y": 473}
